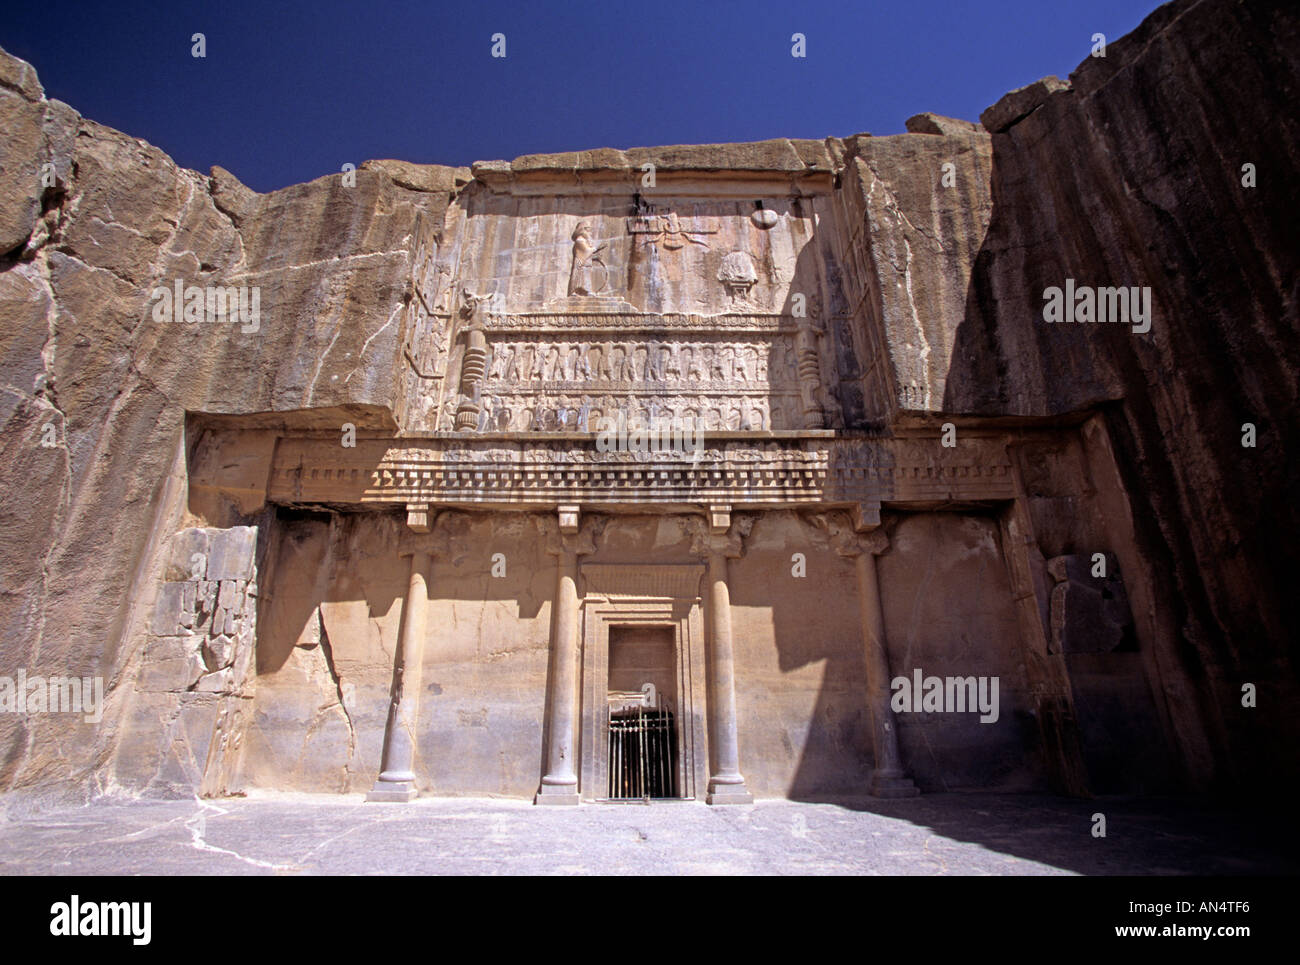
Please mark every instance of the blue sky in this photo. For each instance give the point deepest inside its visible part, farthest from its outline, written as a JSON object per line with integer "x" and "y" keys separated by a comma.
{"x": 290, "y": 91}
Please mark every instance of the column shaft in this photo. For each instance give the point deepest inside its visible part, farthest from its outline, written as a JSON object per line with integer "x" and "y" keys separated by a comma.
{"x": 726, "y": 786}
{"x": 560, "y": 783}
{"x": 397, "y": 779}
{"x": 888, "y": 779}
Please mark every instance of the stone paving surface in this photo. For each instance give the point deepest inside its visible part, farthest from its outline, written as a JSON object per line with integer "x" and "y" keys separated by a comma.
{"x": 943, "y": 834}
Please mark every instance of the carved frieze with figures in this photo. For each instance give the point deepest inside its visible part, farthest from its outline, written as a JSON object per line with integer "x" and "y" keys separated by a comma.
{"x": 574, "y": 321}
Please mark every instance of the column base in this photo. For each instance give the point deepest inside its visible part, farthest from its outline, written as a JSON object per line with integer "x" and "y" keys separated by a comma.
{"x": 893, "y": 786}
{"x": 393, "y": 791}
{"x": 551, "y": 794}
{"x": 566, "y": 794}
{"x": 728, "y": 794}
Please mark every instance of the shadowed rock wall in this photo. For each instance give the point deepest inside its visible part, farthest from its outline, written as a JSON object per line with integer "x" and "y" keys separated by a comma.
{"x": 1133, "y": 175}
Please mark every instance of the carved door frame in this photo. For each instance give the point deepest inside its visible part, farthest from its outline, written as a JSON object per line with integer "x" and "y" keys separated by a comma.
{"x": 649, "y": 595}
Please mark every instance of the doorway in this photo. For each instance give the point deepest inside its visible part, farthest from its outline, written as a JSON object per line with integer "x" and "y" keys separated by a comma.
{"x": 642, "y": 747}
{"x": 643, "y": 623}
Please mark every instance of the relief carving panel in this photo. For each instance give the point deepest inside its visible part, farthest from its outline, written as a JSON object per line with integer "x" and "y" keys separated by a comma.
{"x": 572, "y": 311}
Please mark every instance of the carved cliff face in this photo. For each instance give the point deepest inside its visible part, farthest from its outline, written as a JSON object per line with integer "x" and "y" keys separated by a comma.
{"x": 599, "y": 304}
{"x": 669, "y": 255}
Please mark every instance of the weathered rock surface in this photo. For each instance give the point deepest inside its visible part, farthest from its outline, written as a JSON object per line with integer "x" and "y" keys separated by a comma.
{"x": 1020, "y": 103}
{"x": 929, "y": 123}
{"x": 87, "y": 370}
{"x": 924, "y": 206}
{"x": 782, "y": 154}
{"x": 1134, "y": 177}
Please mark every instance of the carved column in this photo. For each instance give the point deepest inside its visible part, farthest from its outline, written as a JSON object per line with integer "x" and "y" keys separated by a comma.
{"x": 560, "y": 782}
{"x": 726, "y": 785}
{"x": 806, "y": 354}
{"x": 474, "y": 362}
{"x": 888, "y": 779}
{"x": 396, "y": 780}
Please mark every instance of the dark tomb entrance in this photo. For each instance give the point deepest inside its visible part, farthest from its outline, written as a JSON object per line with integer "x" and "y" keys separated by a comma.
{"x": 642, "y": 696}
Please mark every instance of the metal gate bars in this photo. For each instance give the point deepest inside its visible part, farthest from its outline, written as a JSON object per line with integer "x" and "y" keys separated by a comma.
{"x": 642, "y": 754}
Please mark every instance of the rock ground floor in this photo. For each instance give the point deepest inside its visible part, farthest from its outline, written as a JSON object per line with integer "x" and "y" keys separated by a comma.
{"x": 936, "y": 834}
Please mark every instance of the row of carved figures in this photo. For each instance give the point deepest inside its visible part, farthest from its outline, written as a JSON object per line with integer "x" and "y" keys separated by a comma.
{"x": 585, "y": 414}
{"x": 521, "y": 362}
